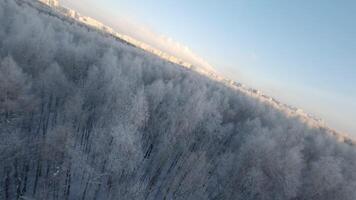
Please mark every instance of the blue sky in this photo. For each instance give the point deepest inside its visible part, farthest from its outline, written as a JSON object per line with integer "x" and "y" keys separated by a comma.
{"x": 301, "y": 52}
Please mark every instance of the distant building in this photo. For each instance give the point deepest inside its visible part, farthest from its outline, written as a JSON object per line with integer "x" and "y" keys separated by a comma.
{"x": 52, "y": 3}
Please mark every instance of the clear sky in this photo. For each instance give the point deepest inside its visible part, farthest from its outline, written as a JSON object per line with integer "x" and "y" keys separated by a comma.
{"x": 301, "y": 52}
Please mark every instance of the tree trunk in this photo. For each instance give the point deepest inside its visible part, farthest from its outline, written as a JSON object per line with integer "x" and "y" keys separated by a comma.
{"x": 38, "y": 174}
{"x": 68, "y": 182}
{"x": 7, "y": 185}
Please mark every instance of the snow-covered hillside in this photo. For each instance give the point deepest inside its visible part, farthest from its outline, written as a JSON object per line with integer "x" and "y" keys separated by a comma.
{"x": 207, "y": 71}
{"x": 86, "y": 115}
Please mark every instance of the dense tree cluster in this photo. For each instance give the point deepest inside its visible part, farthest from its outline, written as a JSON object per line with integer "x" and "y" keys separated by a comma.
{"x": 83, "y": 116}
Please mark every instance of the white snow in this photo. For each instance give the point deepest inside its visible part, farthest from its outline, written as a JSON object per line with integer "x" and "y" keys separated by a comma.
{"x": 207, "y": 71}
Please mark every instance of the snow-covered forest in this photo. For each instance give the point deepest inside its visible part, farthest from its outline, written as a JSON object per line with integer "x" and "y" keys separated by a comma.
{"x": 84, "y": 116}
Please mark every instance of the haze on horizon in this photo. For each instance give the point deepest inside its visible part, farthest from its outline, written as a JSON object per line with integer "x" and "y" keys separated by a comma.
{"x": 301, "y": 53}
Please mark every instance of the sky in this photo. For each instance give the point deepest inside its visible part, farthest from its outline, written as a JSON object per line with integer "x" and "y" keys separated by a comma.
{"x": 300, "y": 52}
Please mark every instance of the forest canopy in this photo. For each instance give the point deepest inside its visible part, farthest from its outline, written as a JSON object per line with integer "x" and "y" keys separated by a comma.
{"x": 85, "y": 116}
